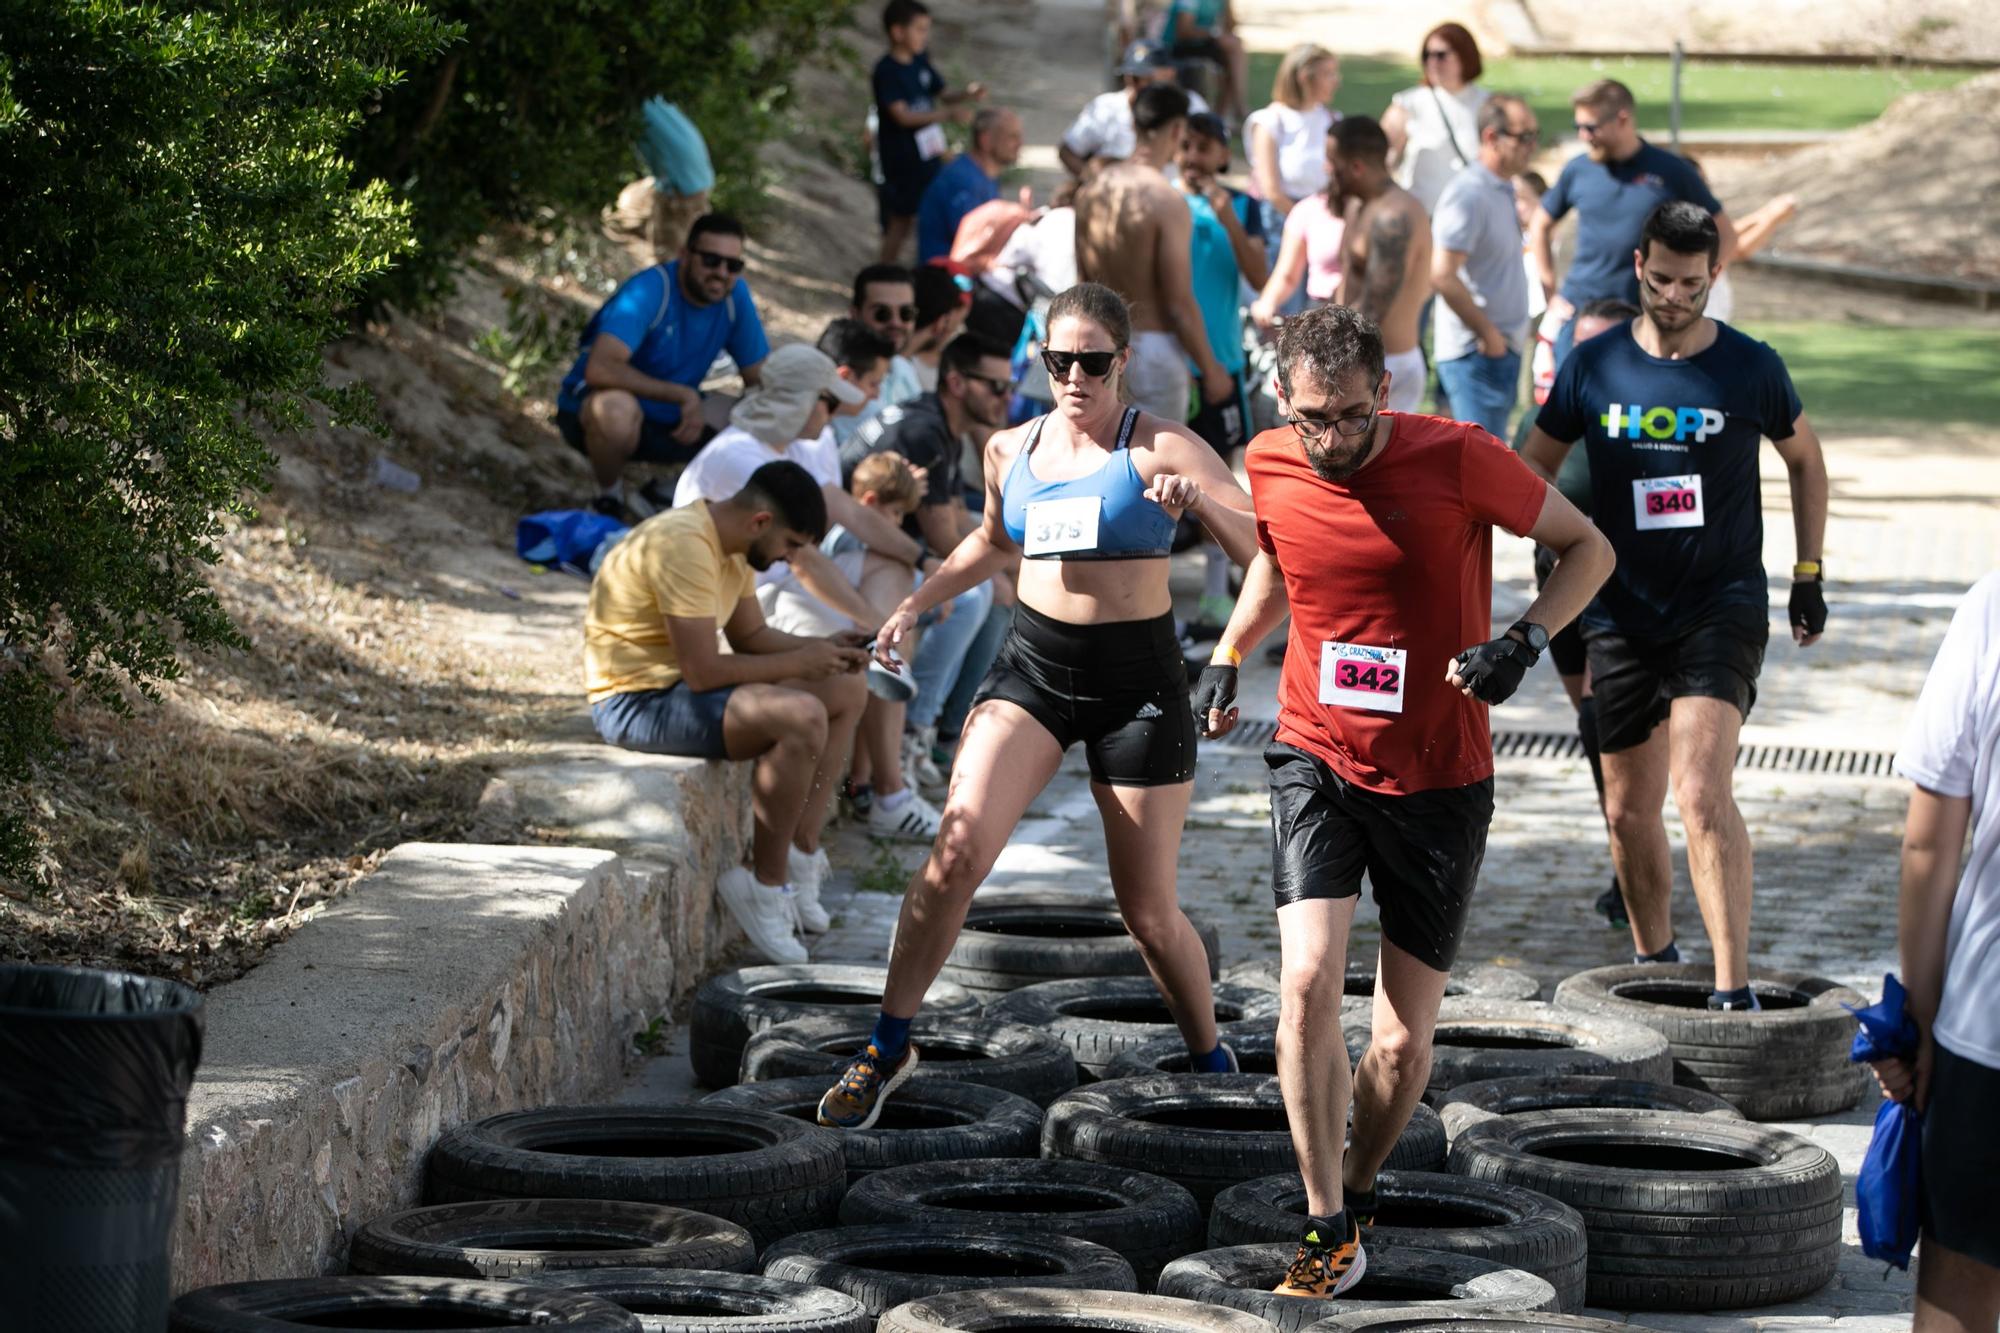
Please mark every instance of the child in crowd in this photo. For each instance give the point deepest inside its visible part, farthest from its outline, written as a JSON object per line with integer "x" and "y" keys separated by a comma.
{"x": 912, "y": 105}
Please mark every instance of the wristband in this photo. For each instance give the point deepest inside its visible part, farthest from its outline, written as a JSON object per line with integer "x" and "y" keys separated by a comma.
{"x": 1808, "y": 569}
{"x": 1224, "y": 650}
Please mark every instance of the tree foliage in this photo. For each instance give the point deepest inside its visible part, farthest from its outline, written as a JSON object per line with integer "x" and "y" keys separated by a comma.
{"x": 179, "y": 236}
{"x": 537, "y": 108}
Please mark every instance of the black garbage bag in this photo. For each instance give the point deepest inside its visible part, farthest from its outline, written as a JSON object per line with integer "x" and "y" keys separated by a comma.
{"x": 94, "y": 1075}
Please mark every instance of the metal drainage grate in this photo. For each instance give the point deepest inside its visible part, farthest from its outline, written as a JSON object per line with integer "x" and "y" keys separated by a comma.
{"x": 1255, "y": 734}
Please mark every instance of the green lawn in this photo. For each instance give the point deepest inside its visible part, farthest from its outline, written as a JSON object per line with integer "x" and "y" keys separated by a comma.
{"x": 1854, "y": 375}
{"x": 1715, "y": 96}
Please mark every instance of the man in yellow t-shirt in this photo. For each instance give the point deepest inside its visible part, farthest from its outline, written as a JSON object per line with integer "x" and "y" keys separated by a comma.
{"x": 659, "y": 682}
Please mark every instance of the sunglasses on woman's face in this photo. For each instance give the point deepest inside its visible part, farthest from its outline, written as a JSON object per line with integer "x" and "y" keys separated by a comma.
{"x": 1436, "y": 55}
{"x": 1095, "y": 364}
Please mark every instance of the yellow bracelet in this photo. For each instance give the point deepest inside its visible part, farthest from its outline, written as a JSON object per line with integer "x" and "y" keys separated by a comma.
{"x": 1222, "y": 651}
{"x": 1806, "y": 569}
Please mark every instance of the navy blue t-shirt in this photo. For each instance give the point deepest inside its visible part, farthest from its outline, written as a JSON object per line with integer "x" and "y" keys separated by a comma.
{"x": 1673, "y": 471}
{"x": 1612, "y": 202}
{"x": 918, "y": 87}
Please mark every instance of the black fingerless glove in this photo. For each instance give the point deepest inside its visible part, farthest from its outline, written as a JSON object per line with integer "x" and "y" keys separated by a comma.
{"x": 1493, "y": 671}
{"x": 1215, "y": 689}
{"x": 1809, "y": 605}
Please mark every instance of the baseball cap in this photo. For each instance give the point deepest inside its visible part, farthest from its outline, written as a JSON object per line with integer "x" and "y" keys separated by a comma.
{"x": 1143, "y": 58}
{"x": 1208, "y": 125}
{"x": 794, "y": 376}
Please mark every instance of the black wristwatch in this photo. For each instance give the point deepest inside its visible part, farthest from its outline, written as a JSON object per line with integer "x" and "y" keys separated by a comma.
{"x": 1535, "y": 637}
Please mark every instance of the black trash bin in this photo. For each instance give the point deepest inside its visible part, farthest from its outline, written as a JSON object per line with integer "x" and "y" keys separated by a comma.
{"x": 94, "y": 1076}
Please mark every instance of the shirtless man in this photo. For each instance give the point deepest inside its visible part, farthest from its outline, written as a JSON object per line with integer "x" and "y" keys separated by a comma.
{"x": 1133, "y": 235}
{"x": 1385, "y": 273}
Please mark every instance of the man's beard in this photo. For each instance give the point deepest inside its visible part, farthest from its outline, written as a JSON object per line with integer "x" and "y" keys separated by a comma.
{"x": 1671, "y": 320}
{"x": 758, "y": 559}
{"x": 1340, "y": 461}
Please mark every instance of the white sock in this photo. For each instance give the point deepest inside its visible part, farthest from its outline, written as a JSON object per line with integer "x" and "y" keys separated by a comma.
{"x": 891, "y": 804}
{"x": 1215, "y": 581}
{"x": 615, "y": 491}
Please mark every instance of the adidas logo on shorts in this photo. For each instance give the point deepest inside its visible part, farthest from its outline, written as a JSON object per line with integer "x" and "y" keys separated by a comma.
{"x": 1148, "y": 711}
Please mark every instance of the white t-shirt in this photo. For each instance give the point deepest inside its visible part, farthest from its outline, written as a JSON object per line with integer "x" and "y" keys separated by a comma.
{"x": 1301, "y": 140}
{"x": 1435, "y": 120}
{"x": 1952, "y": 747}
{"x": 1046, "y": 251}
{"x": 726, "y": 462}
{"x": 1104, "y": 127}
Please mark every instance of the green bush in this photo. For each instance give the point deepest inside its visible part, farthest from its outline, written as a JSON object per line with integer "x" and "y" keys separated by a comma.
{"x": 179, "y": 236}
{"x": 538, "y": 107}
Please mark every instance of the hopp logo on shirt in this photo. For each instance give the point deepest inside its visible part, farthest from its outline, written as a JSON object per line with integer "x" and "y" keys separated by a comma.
{"x": 1634, "y": 422}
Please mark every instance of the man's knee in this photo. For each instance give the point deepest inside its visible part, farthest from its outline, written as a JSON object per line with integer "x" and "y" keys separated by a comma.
{"x": 1154, "y": 929}
{"x": 959, "y": 853}
{"x": 612, "y": 417}
{"x": 781, "y": 718}
{"x": 1404, "y": 1056}
{"x": 1307, "y": 993}
{"x": 1706, "y": 805}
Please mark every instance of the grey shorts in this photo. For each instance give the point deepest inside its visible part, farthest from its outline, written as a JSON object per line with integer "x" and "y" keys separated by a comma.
{"x": 676, "y": 720}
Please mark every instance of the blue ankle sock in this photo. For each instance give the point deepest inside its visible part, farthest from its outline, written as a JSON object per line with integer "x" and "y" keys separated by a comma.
{"x": 891, "y": 1036}
{"x": 1670, "y": 954}
{"x": 1741, "y": 998}
{"x": 1215, "y": 1062}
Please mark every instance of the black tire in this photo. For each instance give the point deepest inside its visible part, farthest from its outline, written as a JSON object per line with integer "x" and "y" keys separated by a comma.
{"x": 1787, "y": 1062}
{"x": 938, "y": 1121}
{"x": 1203, "y": 1131}
{"x": 1426, "y": 1210}
{"x": 1481, "y": 980}
{"x": 1022, "y": 937}
{"x": 1256, "y": 1052}
{"x": 499, "y": 1239}
{"x": 884, "y": 1266}
{"x": 1012, "y": 1057}
{"x": 1673, "y": 1224}
{"x": 731, "y": 1006}
{"x": 276, "y": 1307}
{"x": 1479, "y": 1039}
{"x": 680, "y": 1302}
{"x": 767, "y": 1172}
{"x": 1470, "y": 1103}
{"x": 1014, "y": 1308}
{"x": 1242, "y": 1276}
{"x": 1443, "y": 1319}
{"x": 1146, "y": 1219}
{"x": 1099, "y": 1017}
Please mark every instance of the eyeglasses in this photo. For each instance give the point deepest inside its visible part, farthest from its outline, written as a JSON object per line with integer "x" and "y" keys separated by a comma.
{"x": 1095, "y": 364}
{"x": 997, "y": 385}
{"x": 1525, "y": 136}
{"x": 902, "y": 314}
{"x": 1438, "y": 55}
{"x": 1590, "y": 129}
{"x": 710, "y": 259}
{"x": 1314, "y": 429}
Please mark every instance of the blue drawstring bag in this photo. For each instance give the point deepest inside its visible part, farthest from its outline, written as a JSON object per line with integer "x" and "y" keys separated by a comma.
{"x": 673, "y": 150}
{"x": 1888, "y": 1190}
{"x": 572, "y": 539}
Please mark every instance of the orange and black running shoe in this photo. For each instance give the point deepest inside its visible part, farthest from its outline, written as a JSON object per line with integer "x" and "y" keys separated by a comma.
{"x": 1330, "y": 1259}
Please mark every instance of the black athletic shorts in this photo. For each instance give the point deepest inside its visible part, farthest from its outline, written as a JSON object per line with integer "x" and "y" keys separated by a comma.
{"x": 1961, "y": 1158}
{"x": 1224, "y": 425}
{"x": 1121, "y": 689}
{"x": 1566, "y": 644}
{"x": 1421, "y": 851}
{"x": 656, "y": 439}
{"x": 1637, "y": 679}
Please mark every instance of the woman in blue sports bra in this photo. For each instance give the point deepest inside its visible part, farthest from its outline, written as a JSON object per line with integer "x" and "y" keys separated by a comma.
{"x": 1086, "y": 497}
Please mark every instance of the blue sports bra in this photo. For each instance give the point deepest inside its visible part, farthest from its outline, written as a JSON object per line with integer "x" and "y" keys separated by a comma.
{"x": 1129, "y": 526}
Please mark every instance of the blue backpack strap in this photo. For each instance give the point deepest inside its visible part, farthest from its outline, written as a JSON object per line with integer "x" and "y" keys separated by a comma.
{"x": 666, "y": 298}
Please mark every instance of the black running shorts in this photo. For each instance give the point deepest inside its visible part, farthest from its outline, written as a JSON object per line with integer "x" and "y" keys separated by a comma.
{"x": 1421, "y": 851}
{"x": 1120, "y": 688}
{"x": 1961, "y": 1158}
{"x": 1566, "y": 644}
{"x": 1636, "y": 680}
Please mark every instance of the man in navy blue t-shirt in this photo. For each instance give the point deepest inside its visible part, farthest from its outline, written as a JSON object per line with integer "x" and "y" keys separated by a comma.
{"x": 911, "y": 107}
{"x": 971, "y": 179}
{"x": 1613, "y": 187}
{"x": 1672, "y": 408}
{"x": 635, "y": 390}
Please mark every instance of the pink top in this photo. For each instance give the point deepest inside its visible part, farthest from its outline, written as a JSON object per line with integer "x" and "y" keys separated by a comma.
{"x": 1324, "y": 231}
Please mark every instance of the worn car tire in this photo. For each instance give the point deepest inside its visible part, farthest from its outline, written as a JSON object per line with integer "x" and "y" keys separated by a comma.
{"x": 1477, "y": 1039}
{"x": 1017, "y": 1308}
{"x": 1256, "y": 1050}
{"x": 1683, "y": 1212}
{"x": 935, "y": 1121}
{"x": 1470, "y": 1103}
{"x": 1141, "y": 1216}
{"x": 499, "y": 1239}
{"x": 703, "y": 1302}
{"x": 283, "y": 1306}
{"x": 1443, "y": 1319}
{"x": 766, "y": 1172}
{"x": 1484, "y": 981}
{"x": 1242, "y": 1276}
{"x": 1787, "y": 1062}
{"x": 1426, "y": 1210}
{"x": 730, "y": 1006}
{"x": 884, "y": 1266}
{"x": 1012, "y": 1057}
{"x": 1097, "y": 1017}
{"x": 1022, "y": 937}
{"x": 1203, "y": 1131}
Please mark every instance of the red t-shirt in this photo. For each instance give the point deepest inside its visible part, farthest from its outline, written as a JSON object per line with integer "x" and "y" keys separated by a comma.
{"x": 1397, "y": 558}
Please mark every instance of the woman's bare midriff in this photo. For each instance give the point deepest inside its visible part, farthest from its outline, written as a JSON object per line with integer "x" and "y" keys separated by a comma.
{"x": 1096, "y": 592}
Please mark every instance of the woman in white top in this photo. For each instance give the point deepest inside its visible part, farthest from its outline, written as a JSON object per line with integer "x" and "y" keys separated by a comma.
{"x": 1287, "y": 142}
{"x": 1434, "y": 129}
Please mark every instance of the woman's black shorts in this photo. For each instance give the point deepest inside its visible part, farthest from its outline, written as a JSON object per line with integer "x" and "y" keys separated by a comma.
{"x": 1120, "y": 688}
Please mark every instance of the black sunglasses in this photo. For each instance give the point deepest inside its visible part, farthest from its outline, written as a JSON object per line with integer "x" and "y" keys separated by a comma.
{"x": 710, "y": 259}
{"x": 1436, "y": 55}
{"x": 1095, "y": 364}
{"x": 1525, "y": 136}
{"x": 994, "y": 383}
{"x": 881, "y": 314}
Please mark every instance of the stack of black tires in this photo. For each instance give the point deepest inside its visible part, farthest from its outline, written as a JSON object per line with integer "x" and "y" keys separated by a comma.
{"x": 1053, "y": 1164}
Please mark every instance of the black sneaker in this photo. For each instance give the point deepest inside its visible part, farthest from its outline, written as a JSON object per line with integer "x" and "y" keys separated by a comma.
{"x": 1611, "y": 903}
{"x": 612, "y": 507}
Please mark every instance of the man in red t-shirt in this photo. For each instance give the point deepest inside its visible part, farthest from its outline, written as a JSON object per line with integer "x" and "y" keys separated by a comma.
{"x": 1376, "y": 528}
